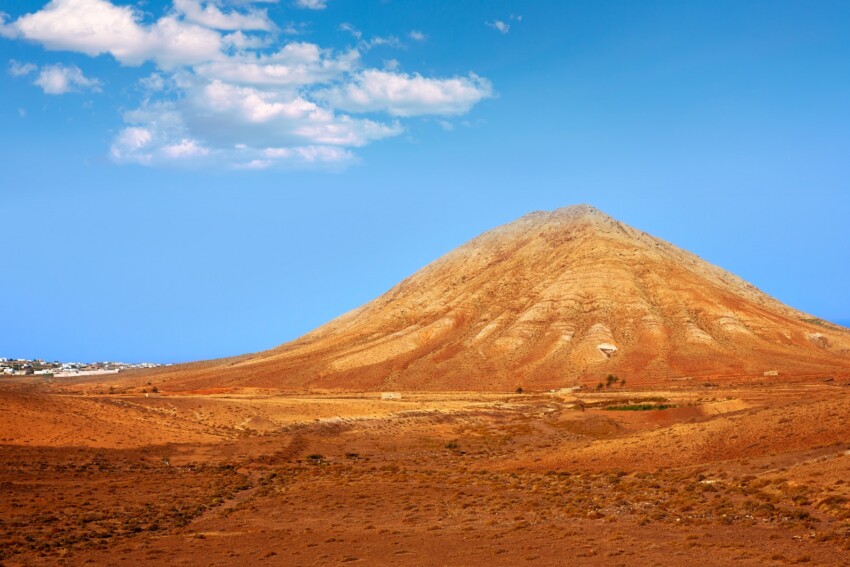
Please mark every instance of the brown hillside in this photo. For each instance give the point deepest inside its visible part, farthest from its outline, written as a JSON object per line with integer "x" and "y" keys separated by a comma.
{"x": 550, "y": 300}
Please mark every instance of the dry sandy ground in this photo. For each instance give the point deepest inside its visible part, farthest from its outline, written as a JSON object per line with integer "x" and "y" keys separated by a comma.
{"x": 750, "y": 475}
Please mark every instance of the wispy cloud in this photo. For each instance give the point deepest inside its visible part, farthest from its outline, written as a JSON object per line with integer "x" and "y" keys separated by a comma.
{"x": 366, "y": 44}
{"x": 347, "y": 27}
{"x": 400, "y": 94}
{"x": 6, "y": 30}
{"x": 61, "y": 79}
{"x": 312, "y": 4}
{"x": 56, "y": 79}
{"x": 21, "y": 69}
{"x": 499, "y": 26}
{"x": 502, "y": 26}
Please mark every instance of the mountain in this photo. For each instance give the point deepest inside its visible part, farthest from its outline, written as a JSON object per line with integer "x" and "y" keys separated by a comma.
{"x": 550, "y": 300}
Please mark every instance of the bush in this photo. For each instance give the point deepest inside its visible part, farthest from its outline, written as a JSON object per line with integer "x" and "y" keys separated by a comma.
{"x": 640, "y": 407}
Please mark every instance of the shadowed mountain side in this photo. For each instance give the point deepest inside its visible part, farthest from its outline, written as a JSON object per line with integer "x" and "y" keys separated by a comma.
{"x": 550, "y": 300}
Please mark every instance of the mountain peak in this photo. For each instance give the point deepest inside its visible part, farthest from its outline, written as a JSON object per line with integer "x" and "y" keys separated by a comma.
{"x": 572, "y": 212}
{"x": 582, "y": 210}
{"x": 553, "y": 299}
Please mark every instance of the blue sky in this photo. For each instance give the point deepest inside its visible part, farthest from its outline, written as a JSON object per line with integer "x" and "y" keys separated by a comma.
{"x": 192, "y": 179}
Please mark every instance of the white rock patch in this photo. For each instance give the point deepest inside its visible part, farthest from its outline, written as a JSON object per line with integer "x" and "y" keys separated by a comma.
{"x": 607, "y": 349}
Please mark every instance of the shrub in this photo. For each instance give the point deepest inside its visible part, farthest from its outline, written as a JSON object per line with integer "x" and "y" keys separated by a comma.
{"x": 640, "y": 407}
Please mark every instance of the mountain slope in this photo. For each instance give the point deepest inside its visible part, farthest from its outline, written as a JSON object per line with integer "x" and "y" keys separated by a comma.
{"x": 550, "y": 300}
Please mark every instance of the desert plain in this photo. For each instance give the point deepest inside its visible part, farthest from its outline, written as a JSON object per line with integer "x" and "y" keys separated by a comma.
{"x": 745, "y": 473}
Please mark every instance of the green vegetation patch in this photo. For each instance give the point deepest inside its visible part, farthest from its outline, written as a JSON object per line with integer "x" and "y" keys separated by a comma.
{"x": 640, "y": 407}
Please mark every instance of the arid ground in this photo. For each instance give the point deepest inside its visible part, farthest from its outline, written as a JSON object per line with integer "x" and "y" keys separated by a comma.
{"x": 748, "y": 474}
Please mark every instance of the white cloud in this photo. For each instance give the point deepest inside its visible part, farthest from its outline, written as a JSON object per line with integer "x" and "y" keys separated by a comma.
{"x": 312, "y": 4}
{"x": 154, "y": 82}
{"x": 299, "y": 157}
{"x": 208, "y": 14}
{"x": 61, "y": 79}
{"x": 7, "y": 31}
{"x": 241, "y": 41}
{"x": 21, "y": 69}
{"x": 185, "y": 148}
{"x": 249, "y": 2}
{"x": 378, "y": 41}
{"x": 367, "y": 44}
{"x": 253, "y": 105}
{"x": 227, "y": 88}
{"x": 310, "y": 154}
{"x": 230, "y": 124}
{"x": 346, "y": 27}
{"x": 95, "y": 27}
{"x": 347, "y": 131}
{"x": 293, "y": 28}
{"x": 241, "y": 114}
{"x": 254, "y": 164}
{"x": 157, "y": 141}
{"x": 401, "y": 94}
{"x": 499, "y": 26}
{"x": 175, "y": 43}
{"x": 131, "y": 144}
{"x": 89, "y": 26}
{"x": 295, "y": 64}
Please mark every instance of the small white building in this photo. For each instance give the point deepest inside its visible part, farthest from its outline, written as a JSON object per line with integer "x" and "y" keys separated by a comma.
{"x": 390, "y": 395}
